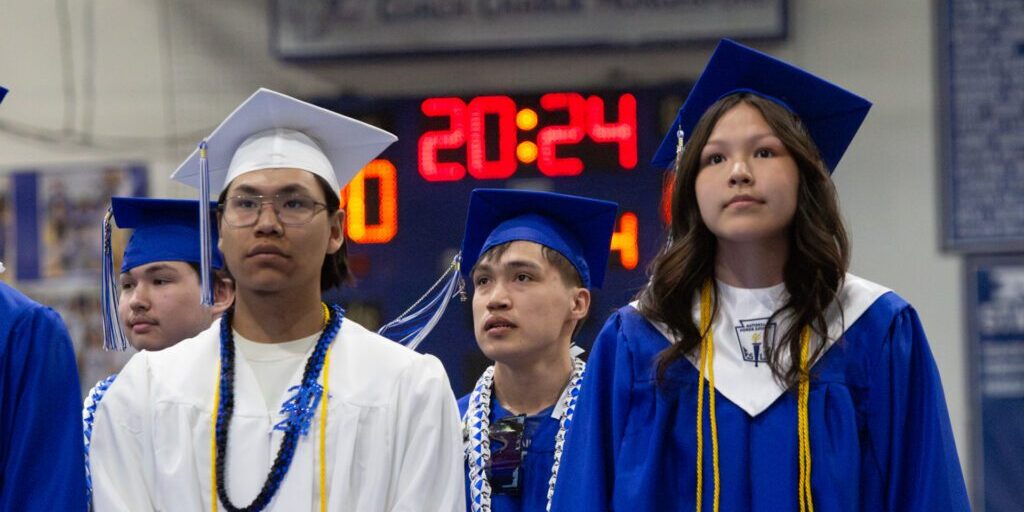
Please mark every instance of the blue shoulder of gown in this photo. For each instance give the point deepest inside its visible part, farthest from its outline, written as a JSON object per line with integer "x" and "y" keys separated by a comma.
{"x": 41, "y": 454}
{"x": 880, "y": 433}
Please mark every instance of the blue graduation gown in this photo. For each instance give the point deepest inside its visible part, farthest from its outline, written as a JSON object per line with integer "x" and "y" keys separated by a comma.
{"x": 879, "y": 429}
{"x": 41, "y": 454}
{"x": 539, "y": 432}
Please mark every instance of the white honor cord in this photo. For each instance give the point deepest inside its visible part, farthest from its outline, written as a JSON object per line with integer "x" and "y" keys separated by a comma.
{"x": 477, "y": 425}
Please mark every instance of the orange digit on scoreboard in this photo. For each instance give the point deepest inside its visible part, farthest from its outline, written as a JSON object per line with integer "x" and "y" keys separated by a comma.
{"x": 624, "y": 240}
{"x": 354, "y": 200}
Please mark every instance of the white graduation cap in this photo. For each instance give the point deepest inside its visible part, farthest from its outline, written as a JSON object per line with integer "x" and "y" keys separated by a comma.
{"x": 272, "y": 130}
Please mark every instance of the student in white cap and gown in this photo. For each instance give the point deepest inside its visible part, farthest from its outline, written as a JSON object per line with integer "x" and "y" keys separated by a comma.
{"x": 282, "y": 404}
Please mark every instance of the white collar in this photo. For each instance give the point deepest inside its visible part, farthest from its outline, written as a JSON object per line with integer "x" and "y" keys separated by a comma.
{"x": 751, "y": 386}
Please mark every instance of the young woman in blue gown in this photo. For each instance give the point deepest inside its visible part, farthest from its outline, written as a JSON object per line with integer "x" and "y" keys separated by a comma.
{"x": 754, "y": 373}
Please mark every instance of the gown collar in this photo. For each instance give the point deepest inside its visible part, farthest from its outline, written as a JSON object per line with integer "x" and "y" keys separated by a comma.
{"x": 741, "y": 374}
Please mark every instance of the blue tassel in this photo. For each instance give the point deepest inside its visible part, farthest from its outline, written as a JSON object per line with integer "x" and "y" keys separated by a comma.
{"x": 113, "y": 335}
{"x": 300, "y": 408}
{"x": 412, "y": 326}
{"x": 205, "y": 237}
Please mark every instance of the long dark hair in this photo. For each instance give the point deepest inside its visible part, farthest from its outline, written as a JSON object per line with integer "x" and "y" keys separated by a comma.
{"x": 818, "y": 246}
{"x": 334, "y": 269}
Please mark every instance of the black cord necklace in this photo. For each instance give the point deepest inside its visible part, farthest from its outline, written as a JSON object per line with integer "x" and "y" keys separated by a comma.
{"x": 301, "y": 408}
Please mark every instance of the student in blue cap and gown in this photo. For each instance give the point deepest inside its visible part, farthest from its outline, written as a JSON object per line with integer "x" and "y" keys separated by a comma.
{"x": 155, "y": 301}
{"x": 41, "y": 445}
{"x": 532, "y": 258}
{"x": 754, "y": 373}
{"x": 282, "y": 404}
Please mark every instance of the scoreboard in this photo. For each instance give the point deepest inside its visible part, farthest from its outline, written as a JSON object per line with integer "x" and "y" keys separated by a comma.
{"x": 405, "y": 213}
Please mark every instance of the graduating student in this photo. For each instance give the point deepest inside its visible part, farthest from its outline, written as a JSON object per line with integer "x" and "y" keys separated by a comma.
{"x": 532, "y": 258}
{"x": 156, "y": 301}
{"x": 159, "y": 287}
{"x": 282, "y": 404}
{"x": 754, "y": 373}
{"x": 41, "y": 445}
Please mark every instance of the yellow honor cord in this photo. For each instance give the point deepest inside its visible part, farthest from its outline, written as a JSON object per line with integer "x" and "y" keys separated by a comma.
{"x": 323, "y": 426}
{"x": 803, "y": 425}
{"x": 323, "y": 418}
{"x": 707, "y": 358}
{"x": 213, "y": 438}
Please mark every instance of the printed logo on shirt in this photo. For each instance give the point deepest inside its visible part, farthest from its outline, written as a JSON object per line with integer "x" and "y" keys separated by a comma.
{"x": 755, "y": 338}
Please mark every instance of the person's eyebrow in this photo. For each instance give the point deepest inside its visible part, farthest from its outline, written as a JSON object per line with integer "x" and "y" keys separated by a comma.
{"x": 521, "y": 265}
{"x": 291, "y": 188}
{"x": 159, "y": 267}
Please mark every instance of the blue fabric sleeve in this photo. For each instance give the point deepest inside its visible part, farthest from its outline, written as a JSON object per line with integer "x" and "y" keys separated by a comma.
{"x": 908, "y": 424}
{"x": 43, "y": 464}
{"x": 586, "y": 478}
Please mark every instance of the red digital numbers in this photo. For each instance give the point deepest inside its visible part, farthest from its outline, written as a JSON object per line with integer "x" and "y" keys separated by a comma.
{"x": 452, "y": 138}
{"x": 550, "y": 137}
{"x": 585, "y": 118}
{"x": 622, "y": 132}
{"x": 504, "y": 109}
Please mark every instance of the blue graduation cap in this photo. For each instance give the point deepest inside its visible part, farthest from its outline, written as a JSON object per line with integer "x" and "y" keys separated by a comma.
{"x": 578, "y": 228}
{"x": 831, "y": 114}
{"x": 164, "y": 230}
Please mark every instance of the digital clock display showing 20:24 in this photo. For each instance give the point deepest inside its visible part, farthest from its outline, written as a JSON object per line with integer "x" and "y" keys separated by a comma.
{"x": 497, "y": 137}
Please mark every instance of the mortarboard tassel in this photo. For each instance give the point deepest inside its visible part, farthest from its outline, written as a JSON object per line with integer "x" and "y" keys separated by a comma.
{"x": 113, "y": 335}
{"x": 205, "y": 237}
{"x": 680, "y": 144}
{"x": 412, "y": 326}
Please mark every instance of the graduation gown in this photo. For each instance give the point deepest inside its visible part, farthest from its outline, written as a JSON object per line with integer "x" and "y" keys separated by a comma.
{"x": 879, "y": 429}
{"x": 393, "y": 432}
{"x": 41, "y": 453}
{"x": 539, "y": 439}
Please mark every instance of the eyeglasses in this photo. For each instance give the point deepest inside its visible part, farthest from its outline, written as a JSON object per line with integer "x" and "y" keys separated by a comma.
{"x": 507, "y": 451}
{"x": 292, "y": 209}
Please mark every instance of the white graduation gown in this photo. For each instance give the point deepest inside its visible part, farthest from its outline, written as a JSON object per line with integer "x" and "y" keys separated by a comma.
{"x": 393, "y": 432}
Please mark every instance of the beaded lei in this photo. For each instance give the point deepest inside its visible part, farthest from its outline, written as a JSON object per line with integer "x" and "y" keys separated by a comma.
{"x": 88, "y": 419}
{"x": 300, "y": 410}
{"x": 477, "y": 424}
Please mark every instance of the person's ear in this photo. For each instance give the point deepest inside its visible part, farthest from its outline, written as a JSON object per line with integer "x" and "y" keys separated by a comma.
{"x": 337, "y": 234}
{"x": 223, "y": 295}
{"x": 580, "y": 303}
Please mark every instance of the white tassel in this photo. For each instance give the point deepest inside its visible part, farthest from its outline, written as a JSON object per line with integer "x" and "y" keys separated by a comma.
{"x": 412, "y": 326}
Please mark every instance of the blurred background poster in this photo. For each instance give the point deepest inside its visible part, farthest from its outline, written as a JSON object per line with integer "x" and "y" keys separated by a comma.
{"x": 53, "y": 252}
{"x": 997, "y": 332}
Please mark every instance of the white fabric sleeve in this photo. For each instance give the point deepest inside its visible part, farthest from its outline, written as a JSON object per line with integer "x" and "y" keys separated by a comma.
{"x": 121, "y": 457}
{"x": 427, "y": 469}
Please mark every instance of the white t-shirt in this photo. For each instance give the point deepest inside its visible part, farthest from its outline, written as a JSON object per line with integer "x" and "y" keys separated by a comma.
{"x": 273, "y": 364}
